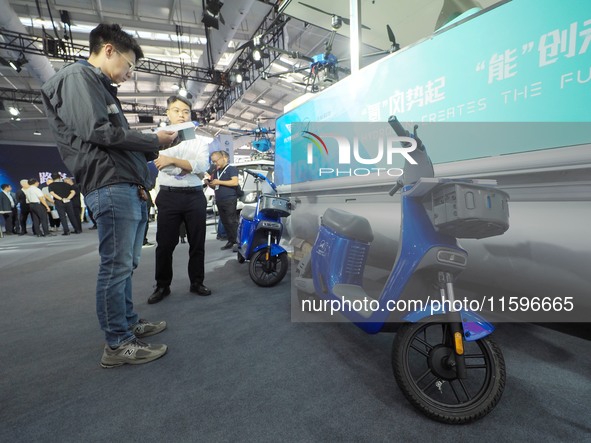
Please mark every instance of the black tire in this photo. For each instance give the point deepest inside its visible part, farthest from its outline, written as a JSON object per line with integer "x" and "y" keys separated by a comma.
{"x": 418, "y": 353}
{"x": 239, "y": 257}
{"x": 267, "y": 273}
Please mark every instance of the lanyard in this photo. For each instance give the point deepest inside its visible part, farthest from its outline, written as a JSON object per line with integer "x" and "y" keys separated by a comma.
{"x": 223, "y": 170}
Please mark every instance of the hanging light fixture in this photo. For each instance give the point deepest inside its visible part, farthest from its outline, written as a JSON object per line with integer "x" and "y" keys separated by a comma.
{"x": 211, "y": 14}
{"x": 17, "y": 64}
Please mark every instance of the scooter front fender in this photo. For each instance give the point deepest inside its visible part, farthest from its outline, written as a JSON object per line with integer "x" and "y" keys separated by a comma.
{"x": 475, "y": 326}
{"x": 275, "y": 249}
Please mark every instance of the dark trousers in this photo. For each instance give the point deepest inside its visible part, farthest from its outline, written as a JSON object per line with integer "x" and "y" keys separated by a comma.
{"x": 39, "y": 215}
{"x": 9, "y": 222}
{"x": 67, "y": 209}
{"x": 174, "y": 208}
{"x": 227, "y": 211}
{"x": 25, "y": 211}
{"x": 91, "y": 216}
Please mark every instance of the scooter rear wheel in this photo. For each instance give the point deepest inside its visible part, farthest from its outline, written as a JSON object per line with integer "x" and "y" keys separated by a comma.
{"x": 267, "y": 272}
{"x": 420, "y": 356}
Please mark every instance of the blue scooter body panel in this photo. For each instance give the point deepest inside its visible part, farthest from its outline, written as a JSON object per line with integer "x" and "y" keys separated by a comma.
{"x": 331, "y": 258}
{"x": 475, "y": 326}
{"x": 248, "y": 239}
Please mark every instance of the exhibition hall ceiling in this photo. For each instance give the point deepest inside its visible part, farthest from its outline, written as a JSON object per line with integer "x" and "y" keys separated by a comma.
{"x": 172, "y": 29}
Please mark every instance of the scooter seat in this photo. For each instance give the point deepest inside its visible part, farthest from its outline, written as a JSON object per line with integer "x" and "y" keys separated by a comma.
{"x": 248, "y": 212}
{"x": 348, "y": 225}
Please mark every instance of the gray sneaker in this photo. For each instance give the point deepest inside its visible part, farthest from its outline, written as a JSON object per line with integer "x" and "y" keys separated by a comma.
{"x": 144, "y": 328}
{"x": 135, "y": 352}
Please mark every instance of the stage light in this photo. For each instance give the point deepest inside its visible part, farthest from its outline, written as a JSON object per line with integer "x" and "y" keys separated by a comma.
{"x": 17, "y": 65}
{"x": 13, "y": 111}
{"x": 211, "y": 15}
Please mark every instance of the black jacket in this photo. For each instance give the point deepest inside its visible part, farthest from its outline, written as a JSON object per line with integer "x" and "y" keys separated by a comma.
{"x": 92, "y": 134}
{"x": 5, "y": 204}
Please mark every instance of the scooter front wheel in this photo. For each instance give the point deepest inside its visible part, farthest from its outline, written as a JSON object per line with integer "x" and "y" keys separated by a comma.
{"x": 267, "y": 272}
{"x": 423, "y": 364}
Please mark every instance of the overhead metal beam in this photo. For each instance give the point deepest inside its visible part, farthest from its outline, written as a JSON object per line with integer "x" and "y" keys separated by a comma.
{"x": 34, "y": 96}
{"x": 28, "y": 44}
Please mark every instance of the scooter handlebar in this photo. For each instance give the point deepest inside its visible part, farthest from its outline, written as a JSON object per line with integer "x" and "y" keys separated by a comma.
{"x": 396, "y": 188}
{"x": 261, "y": 177}
{"x": 401, "y": 132}
{"x": 397, "y": 127}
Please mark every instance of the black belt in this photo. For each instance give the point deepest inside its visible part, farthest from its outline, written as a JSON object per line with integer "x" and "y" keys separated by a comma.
{"x": 179, "y": 189}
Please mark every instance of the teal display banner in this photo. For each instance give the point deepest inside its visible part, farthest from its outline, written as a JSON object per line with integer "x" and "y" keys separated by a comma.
{"x": 522, "y": 61}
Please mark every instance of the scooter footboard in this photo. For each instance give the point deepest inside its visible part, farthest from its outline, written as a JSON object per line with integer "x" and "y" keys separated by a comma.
{"x": 474, "y": 325}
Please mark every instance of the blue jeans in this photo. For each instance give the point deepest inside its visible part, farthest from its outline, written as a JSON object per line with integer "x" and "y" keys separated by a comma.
{"x": 121, "y": 218}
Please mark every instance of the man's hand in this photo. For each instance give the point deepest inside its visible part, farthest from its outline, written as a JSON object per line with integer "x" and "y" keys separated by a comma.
{"x": 163, "y": 161}
{"x": 166, "y": 138}
{"x": 215, "y": 182}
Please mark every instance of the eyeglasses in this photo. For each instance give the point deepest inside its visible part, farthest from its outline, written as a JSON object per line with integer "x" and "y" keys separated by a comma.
{"x": 131, "y": 65}
{"x": 180, "y": 111}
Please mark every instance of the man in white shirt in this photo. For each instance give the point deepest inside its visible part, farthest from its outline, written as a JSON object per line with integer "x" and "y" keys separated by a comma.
{"x": 39, "y": 208}
{"x": 181, "y": 199}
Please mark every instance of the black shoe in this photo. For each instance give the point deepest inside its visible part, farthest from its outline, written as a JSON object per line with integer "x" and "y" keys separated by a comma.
{"x": 221, "y": 237}
{"x": 200, "y": 290}
{"x": 228, "y": 245}
{"x": 92, "y": 227}
{"x": 66, "y": 233}
{"x": 158, "y": 295}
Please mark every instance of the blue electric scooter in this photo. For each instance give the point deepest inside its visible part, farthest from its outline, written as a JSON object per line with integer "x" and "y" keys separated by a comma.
{"x": 259, "y": 234}
{"x": 442, "y": 358}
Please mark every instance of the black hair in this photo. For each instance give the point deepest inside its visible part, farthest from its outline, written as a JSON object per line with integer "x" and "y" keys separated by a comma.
{"x": 5, "y": 185}
{"x": 173, "y": 98}
{"x": 32, "y": 181}
{"x": 113, "y": 34}
{"x": 56, "y": 176}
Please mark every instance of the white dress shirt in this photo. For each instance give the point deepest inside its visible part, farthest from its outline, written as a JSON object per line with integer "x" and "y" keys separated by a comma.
{"x": 196, "y": 152}
{"x": 33, "y": 194}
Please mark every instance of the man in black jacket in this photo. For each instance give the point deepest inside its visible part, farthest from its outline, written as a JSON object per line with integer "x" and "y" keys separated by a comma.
{"x": 8, "y": 208}
{"x": 109, "y": 162}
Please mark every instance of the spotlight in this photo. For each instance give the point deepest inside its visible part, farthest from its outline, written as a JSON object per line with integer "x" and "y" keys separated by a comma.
{"x": 239, "y": 78}
{"x": 258, "y": 53}
{"x": 211, "y": 15}
{"x": 175, "y": 87}
{"x": 213, "y": 6}
{"x": 17, "y": 65}
{"x": 13, "y": 111}
{"x": 36, "y": 132}
{"x": 183, "y": 92}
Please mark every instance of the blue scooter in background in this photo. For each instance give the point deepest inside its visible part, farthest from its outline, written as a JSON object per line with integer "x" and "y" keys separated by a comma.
{"x": 259, "y": 234}
{"x": 442, "y": 358}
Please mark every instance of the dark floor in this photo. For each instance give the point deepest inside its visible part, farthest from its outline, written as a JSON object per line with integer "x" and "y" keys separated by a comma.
{"x": 237, "y": 368}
